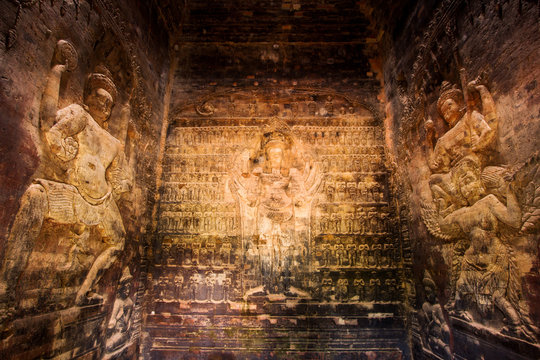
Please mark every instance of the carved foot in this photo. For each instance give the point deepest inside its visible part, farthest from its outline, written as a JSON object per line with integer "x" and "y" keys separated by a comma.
{"x": 87, "y": 298}
{"x": 7, "y": 295}
{"x": 460, "y": 314}
{"x": 520, "y": 332}
{"x": 297, "y": 293}
{"x": 7, "y": 309}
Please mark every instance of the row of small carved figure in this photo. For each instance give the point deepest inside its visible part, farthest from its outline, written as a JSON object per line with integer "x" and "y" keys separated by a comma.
{"x": 371, "y": 222}
{"x": 211, "y": 286}
{"x": 220, "y": 287}
{"x": 224, "y": 135}
{"x": 360, "y": 289}
{"x": 354, "y": 191}
{"x": 349, "y": 150}
{"x": 193, "y": 192}
{"x": 196, "y": 208}
{"x": 205, "y": 163}
{"x": 265, "y": 109}
{"x": 196, "y": 254}
{"x": 369, "y": 137}
{"x": 199, "y": 222}
{"x": 201, "y": 164}
{"x": 200, "y": 178}
{"x": 328, "y": 136}
{"x": 368, "y": 148}
{"x": 355, "y": 163}
{"x": 361, "y": 255}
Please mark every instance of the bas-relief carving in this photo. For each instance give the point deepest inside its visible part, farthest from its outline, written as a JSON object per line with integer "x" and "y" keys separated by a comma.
{"x": 275, "y": 204}
{"x": 119, "y": 326}
{"x": 276, "y": 207}
{"x": 84, "y": 199}
{"x": 475, "y": 206}
{"x": 436, "y": 332}
{"x": 272, "y": 204}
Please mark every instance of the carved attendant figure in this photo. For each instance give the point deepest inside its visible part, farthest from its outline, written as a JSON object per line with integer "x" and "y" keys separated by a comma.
{"x": 436, "y": 336}
{"x": 118, "y": 333}
{"x": 96, "y": 176}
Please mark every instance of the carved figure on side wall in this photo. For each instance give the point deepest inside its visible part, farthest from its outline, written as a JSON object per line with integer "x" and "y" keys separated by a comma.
{"x": 436, "y": 334}
{"x": 359, "y": 286}
{"x": 118, "y": 328}
{"x": 488, "y": 278}
{"x": 327, "y": 288}
{"x": 471, "y": 133}
{"x": 96, "y": 176}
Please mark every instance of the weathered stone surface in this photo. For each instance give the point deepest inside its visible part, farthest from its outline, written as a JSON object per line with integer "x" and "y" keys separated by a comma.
{"x": 74, "y": 210}
{"x": 269, "y": 179}
{"x": 276, "y": 210}
{"x": 471, "y": 182}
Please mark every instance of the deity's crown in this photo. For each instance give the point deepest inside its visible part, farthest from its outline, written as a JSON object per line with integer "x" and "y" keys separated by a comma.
{"x": 465, "y": 165}
{"x": 428, "y": 281}
{"x": 449, "y": 91}
{"x": 126, "y": 276}
{"x": 101, "y": 78}
{"x": 276, "y": 139}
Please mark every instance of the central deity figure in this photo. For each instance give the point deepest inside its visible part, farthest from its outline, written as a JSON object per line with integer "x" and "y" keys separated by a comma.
{"x": 276, "y": 201}
{"x": 275, "y": 187}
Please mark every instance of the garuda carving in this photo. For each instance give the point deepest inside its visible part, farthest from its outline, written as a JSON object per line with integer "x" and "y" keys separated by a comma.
{"x": 475, "y": 206}
{"x": 96, "y": 175}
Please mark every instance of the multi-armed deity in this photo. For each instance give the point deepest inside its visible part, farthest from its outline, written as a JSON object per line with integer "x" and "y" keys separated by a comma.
{"x": 275, "y": 184}
{"x": 475, "y": 206}
{"x": 94, "y": 176}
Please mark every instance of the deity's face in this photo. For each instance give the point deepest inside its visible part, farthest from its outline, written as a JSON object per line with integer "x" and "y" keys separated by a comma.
{"x": 471, "y": 187}
{"x": 100, "y": 104}
{"x": 275, "y": 157}
{"x": 450, "y": 110}
{"x": 124, "y": 291}
{"x": 479, "y": 240}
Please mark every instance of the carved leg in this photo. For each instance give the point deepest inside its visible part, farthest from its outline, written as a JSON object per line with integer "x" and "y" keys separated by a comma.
{"x": 512, "y": 317}
{"x": 515, "y": 326}
{"x": 112, "y": 231}
{"x": 102, "y": 263}
{"x": 20, "y": 242}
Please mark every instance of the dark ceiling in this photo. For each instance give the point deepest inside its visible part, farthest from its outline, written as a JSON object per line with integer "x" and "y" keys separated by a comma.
{"x": 279, "y": 38}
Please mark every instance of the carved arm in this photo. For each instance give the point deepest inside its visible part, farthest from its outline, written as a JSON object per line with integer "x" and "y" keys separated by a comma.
{"x": 49, "y": 101}
{"x": 509, "y": 214}
{"x": 482, "y": 133}
{"x": 488, "y": 106}
{"x": 65, "y": 58}
{"x": 71, "y": 121}
{"x": 119, "y": 174}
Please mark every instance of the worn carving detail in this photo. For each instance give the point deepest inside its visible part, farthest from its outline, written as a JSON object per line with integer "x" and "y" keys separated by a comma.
{"x": 435, "y": 330}
{"x": 274, "y": 202}
{"x": 84, "y": 199}
{"x": 119, "y": 326}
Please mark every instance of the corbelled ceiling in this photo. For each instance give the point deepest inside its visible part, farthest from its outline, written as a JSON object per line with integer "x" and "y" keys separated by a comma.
{"x": 278, "y": 38}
